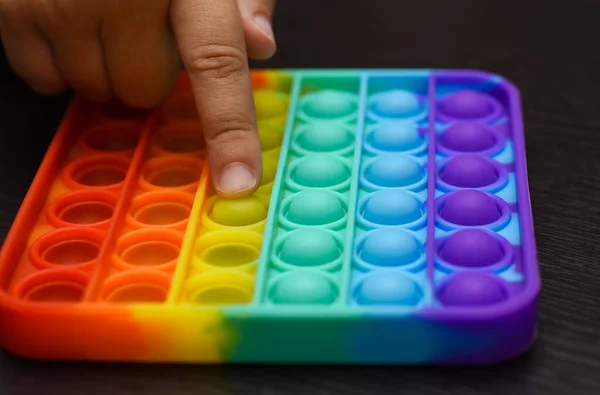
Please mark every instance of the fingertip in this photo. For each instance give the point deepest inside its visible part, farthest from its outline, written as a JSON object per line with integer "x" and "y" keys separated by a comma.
{"x": 260, "y": 38}
{"x": 236, "y": 180}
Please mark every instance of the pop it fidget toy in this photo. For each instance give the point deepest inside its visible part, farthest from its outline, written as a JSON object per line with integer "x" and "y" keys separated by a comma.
{"x": 392, "y": 225}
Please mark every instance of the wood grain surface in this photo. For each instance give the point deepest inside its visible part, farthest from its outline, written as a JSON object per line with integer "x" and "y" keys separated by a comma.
{"x": 548, "y": 49}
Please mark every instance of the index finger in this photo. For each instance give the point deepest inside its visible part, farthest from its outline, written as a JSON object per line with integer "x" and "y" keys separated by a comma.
{"x": 211, "y": 42}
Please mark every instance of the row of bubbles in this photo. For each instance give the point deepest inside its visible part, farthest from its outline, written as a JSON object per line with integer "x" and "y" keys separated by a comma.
{"x": 477, "y": 226}
{"x": 391, "y": 217}
{"x": 66, "y": 241}
{"x": 225, "y": 237}
{"x": 309, "y": 233}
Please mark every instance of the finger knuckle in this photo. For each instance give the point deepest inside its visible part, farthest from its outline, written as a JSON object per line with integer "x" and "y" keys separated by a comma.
{"x": 231, "y": 128}
{"x": 217, "y": 61}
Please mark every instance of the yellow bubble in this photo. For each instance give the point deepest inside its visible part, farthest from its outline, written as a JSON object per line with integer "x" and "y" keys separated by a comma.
{"x": 238, "y": 212}
{"x": 270, "y": 104}
{"x": 269, "y": 136}
{"x": 269, "y": 170}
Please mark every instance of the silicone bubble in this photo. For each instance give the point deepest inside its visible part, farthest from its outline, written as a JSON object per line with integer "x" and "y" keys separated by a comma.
{"x": 219, "y": 287}
{"x": 74, "y": 247}
{"x": 269, "y": 170}
{"x": 309, "y": 247}
{"x": 238, "y": 212}
{"x": 183, "y": 144}
{"x": 96, "y": 171}
{"x": 394, "y": 171}
{"x": 468, "y": 137}
{"x": 392, "y": 207}
{"x": 270, "y": 136}
{"x": 320, "y": 171}
{"x": 390, "y": 247}
{"x": 139, "y": 293}
{"x": 174, "y": 171}
{"x": 472, "y": 289}
{"x": 87, "y": 213}
{"x": 56, "y": 293}
{"x": 396, "y": 104}
{"x": 472, "y": 248}
{"x": 470, "y": 208}
{"x": 83, "y": 208}
{"x": 381, "y": 288}
{"x": 230, "y": 255}
{"x": 148, "y": 247}
{"x": 160, "y": 208}
{"x": 468, "y": 105}
{"x": 136, "y": 287}
{"x": 396, "y": 136}
{"x": 270, "y": 103}
{"x": 53, "y": 286}
{"x": 329, "y": 104}
{"x": 174, "y": 177}
{"x": 117, "y": 136}
{"x": 300, "y": 287}
{"x": 469, "y": 171}
{"x": 325, "y": 137}
{"x": 315, "y": 207}
{"x": 179, "y": 138}
{"x": 230, "y": 248}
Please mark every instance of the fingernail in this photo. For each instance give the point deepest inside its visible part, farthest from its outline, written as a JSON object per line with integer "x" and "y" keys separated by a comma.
{"x": 236, "y": 178}
{"x": 264, "y": 24}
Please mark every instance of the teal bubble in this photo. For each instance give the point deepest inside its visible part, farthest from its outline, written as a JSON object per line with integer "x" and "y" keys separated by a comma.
{"x": 325, "y": 137}
{"x": 320, "y": 171}
{"x": 315, "y": 207}
{"x": 394, "y": 171}
{"x": 396, "y": 289}
{"x": 304, "y": 288}
{"x": 329, "y": 104}
{"x": 309, "y": 247}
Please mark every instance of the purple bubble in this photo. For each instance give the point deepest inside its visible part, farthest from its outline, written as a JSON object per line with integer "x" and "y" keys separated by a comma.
{"x": 469, "y": 171}
{"x": 467, "y": 105}
{"x": 472, "y": 248}
{"x": 472, "y": 289}
{"x": 470, "y": 208}
{"x": 468, "y": 137}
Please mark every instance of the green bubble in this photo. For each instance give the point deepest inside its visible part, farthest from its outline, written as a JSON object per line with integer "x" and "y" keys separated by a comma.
{"x": 325, "y": 137}
{"x": 320, "y": 171}
{"x": 304, "y": 288}
{"x": 329, "y": 104}
{"x": 309, "y": 247}
{"x": 315, "y": 207}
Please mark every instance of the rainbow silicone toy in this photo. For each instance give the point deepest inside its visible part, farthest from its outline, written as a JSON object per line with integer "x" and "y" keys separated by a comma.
{"x": 392, "y": 225}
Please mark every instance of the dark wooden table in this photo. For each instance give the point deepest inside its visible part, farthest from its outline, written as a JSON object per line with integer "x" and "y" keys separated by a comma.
{"x": 548, "y": 49}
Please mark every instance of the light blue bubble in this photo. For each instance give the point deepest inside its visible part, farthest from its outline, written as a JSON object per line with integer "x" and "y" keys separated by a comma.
{"x": 396, "y": 136}
{"x": 394, "y": 171}
{"x": 392, "y": 207}
{"x": 390, "y": 247}
{"x": 383, "y": 288}
{"x": 396, "y": 104}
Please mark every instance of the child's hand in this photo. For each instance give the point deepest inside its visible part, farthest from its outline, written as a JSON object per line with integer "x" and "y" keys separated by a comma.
{"x": 131, "y": 49}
